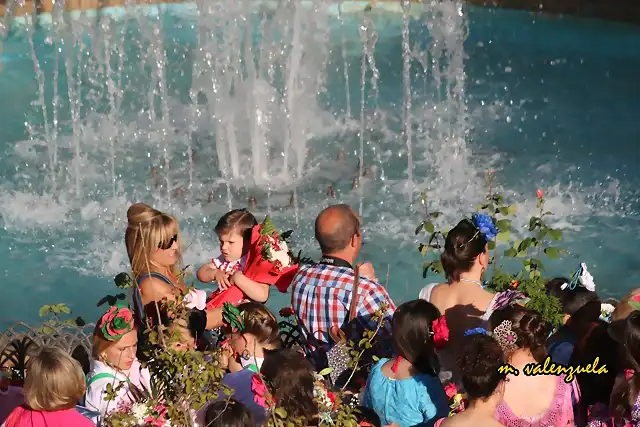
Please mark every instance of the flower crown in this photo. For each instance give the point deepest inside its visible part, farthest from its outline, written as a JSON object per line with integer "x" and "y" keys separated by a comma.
{"x": 580, "y": 277}
{"x": 117, "y": 322}
{"x": 483, "y": 224}
{"x": 232, "y": 317}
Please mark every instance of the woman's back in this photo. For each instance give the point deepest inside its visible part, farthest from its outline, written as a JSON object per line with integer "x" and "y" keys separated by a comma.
{"x": 532, "y": 401}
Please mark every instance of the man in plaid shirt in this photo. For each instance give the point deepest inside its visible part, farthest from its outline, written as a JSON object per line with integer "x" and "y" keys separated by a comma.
{"x": 321, "y": 293}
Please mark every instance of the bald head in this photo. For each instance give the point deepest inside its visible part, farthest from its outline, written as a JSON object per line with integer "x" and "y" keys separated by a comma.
{"x": 335, "y": 227}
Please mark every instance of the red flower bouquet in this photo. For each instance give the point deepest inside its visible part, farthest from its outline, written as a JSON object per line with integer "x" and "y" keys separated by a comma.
{"x": 440, "y": 333}
{"x": 269, "y": 261}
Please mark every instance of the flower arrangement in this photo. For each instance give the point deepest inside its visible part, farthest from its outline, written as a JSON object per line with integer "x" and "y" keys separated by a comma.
{"x": 140, "y": 414}
{"x": 458, "y": 400}
{"x": 484, "y": 223}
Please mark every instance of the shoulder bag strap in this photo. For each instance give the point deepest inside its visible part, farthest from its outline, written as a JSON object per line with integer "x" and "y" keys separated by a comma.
{"x": 353, "y": 308}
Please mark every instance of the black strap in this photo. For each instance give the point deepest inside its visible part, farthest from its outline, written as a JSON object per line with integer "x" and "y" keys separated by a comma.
{"x": 335, "y": 261}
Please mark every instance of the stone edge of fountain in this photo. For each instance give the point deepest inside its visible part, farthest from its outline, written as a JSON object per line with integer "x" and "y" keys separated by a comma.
{"x": 349, "y": 6}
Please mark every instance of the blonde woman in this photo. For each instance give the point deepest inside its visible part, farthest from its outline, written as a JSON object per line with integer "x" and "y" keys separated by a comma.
{"x": 115, "y": 343}
{"x": 53, "y": 386}
{"x": 153, "y": 245}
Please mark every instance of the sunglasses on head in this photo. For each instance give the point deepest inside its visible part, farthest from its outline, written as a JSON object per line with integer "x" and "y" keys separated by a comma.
{"x": 167, "y": 245}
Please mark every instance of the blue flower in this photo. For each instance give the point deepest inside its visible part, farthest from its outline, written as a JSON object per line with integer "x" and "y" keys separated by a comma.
{"x": 485, "y": 224}
{"x": 475, "y": 331}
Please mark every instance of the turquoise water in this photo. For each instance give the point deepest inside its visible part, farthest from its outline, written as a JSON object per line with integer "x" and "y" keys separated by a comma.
{"x": 551, "y": 103}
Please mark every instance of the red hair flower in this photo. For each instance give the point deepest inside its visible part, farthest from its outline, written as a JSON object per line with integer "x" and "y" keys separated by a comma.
{"x": 116, "y": 323}
{"x": 440, "y": 333}
{"x": 451, "y": 390}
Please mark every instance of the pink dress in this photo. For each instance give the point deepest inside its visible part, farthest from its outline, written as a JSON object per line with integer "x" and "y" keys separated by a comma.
{"x": 559, "y": 414}
{"x": 24, "y": 417}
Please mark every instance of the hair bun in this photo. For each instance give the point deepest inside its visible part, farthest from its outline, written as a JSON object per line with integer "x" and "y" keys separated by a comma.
{"x": 140, "y": 212}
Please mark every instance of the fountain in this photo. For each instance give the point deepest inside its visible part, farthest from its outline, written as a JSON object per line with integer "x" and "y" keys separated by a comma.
{"x": 283, "y": 105}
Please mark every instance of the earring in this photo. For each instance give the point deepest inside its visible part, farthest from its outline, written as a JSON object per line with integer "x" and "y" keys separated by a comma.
{"x": 245, "y": 355}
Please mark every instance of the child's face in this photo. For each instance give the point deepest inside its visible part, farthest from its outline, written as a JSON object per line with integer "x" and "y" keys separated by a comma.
{"x": 231, "y": 245}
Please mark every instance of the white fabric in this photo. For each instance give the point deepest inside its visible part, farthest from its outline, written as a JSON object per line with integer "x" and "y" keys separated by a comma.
{"x": 196, "y": 299}
{"x": 425, "y": 293}
{"x": 229, "y": 267}
{"x": 96, "y": 391}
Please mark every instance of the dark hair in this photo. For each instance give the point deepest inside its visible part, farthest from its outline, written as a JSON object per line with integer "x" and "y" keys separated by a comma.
{"x": 240, "y": 220}
{"x": 261, "y": 323}
{"x": 596, "y": 342}
{"x": 571, "y": 300}
{"x": 368, "y": 415}
{"x": 339, "y": 236}
{"x": 412, "y": 333}
{"x": 228, "y": 413}
{"x": 461, "y": 248}
{"x": 625, "y": 392}
{"x": 290, "y": 378}
{"x": 528, "y": 326}
{"x": 479, "y": 358}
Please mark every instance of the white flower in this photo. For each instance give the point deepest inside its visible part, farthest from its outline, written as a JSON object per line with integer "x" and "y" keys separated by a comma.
{"x": 283, "y": 246}
{"x": 606, "y": 309}
{"x": 139, "y": 412}
{"x": 587, "y": 279}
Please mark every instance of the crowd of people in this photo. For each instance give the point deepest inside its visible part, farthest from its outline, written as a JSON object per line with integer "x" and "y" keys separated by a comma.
{"x": 438, "y": 360}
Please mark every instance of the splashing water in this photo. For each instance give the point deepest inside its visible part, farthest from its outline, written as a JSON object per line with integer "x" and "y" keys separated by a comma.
{"x": 196, "y": 108}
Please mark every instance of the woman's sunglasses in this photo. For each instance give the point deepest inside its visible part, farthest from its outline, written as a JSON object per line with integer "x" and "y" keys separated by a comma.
{"x": 167, "y": 245}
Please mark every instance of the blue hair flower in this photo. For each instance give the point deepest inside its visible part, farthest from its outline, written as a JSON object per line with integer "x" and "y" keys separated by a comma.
{"x": 476, "y": 331}
{"x": 485, "y": 224}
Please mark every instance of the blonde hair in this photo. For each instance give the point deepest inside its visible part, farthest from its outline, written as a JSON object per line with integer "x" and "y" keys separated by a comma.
{"x": 147, "y": 229}
{"x": 54, "y": 381}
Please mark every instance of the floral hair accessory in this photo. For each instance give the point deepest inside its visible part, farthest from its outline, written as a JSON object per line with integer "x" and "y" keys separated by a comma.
{"x": 605, "y": 311}
{"x": 440, "y": 332}
{"x": 505, "y": 336}
{"x": 260, "y": 393}
{"x": 117, "y": 322}
{"x": 634, "y": 302}
{"x": 581, "y": 277}
{"x": 232, "y": 317}
{"x": 485, "y": 225}
{"x": 628, "y": 373}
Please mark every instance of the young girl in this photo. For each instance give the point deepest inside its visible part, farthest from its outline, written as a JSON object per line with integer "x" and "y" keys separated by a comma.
{"x": 581, "y": 308}
{"x": 291, "y": 381}
{"x": 234, "y": 233}
{"x": 259, "y": 333}
{"x": 406, "y": 390}
{"x": 115, "y": 342}
{"x": 541, "y": 400}
{"x": 625, "y": 398}
{"x": 228, "y": 413}
{"x": 481, "y": 356}
{"x": 53, "y": 386}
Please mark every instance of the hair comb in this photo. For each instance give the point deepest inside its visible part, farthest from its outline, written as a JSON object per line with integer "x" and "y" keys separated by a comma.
{"x": 505, "y": 336}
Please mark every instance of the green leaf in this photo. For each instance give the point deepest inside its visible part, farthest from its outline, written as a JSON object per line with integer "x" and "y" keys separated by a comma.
{"x": 435, "y": 215}
{"x": 44, "y": 310}
{"x": 491, "y": 245}
{"x": 504, "y": 236}
{"x": 325, "y": 372}
{"x": 510, "y": 252}
{"x": 281, "y": 412}
{"x": 419, "y": 228}
{"x": 512, "y": 210}
{"x": 555, "y": 234}
{"x": 533, "y": 223}
{"x": 429, "y": 227}
{"x": 64, "y": 309}
{"x": 504, "y": 225}
{"x": 635, "y": 305}
{"x": 525, "y": 244}
{"x": 423, "y": 249}
{"x": 552, "y": 253}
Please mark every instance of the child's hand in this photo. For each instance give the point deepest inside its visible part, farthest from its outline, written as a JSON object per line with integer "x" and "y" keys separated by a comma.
{"x": 222, "y": 279}
{"x": 235, "y": 276}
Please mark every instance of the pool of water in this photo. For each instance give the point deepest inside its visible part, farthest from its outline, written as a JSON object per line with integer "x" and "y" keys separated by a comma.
{"x": 546, "y": 102}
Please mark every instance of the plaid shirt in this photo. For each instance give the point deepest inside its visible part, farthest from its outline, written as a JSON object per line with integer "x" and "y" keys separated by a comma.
{"x": 321, "y": 296}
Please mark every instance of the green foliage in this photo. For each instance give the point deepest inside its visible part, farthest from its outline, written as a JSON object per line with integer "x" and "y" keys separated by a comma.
{"x": 530, "y": 250}
{"x": 54, "y": 318}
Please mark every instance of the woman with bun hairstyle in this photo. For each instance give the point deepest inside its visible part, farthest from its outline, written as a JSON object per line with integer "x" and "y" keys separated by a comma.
{"x": 540, "y": 400}
{"x": 463, "y": 299}
{"x": 153, "y": 245}
{"x": 479, "y": 360}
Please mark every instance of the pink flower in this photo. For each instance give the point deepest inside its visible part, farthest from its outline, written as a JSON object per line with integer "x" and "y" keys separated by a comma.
{"x": 116, "y": 322}
{"x": 539, "y": 194}
{"x": 440, "y": 333}
{"x": 451, "y": 390}
{"x": 260, "y": 392}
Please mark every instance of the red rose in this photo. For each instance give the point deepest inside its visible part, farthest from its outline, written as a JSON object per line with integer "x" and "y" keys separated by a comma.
{"x": 440, "y": 333}
{"x": 451, "y": 390}
{"x": 539, "y": 194}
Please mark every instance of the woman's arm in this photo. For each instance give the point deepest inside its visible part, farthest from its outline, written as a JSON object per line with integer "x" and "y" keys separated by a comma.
{"x": 255, "y": 291}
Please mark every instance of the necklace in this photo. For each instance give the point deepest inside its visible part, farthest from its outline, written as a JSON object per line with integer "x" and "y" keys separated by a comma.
{"x": 477, "y": 282}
